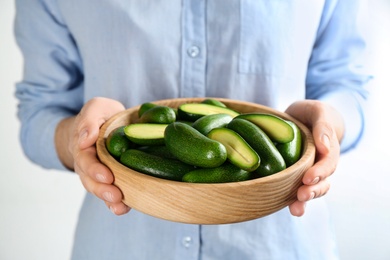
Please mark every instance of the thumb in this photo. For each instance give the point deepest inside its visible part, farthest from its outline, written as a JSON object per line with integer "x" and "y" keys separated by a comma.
{"x": 324, "y": 137}
{"x": 93, "y": 115}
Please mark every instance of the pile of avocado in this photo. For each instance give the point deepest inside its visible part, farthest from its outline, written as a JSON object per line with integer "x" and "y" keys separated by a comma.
{"x": 205, "y": 142}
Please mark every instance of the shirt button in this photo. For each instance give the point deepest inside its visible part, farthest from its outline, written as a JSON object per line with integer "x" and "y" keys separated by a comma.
{"x": 187, "y": 241}
{"x": 193, "y": 51}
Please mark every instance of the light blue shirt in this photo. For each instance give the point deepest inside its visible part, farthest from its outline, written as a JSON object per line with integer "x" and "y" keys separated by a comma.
{"x": 269, "y": 52}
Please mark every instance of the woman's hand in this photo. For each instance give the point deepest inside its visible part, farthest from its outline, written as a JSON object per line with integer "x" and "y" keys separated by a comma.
{"x": 75, "y": 143}
{"x": 327, "y": 127}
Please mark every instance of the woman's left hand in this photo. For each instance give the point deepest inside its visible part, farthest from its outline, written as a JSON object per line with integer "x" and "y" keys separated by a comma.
{"x": 327, "y": 127}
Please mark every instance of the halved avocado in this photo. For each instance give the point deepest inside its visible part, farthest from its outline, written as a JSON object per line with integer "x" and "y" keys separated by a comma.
{"x": 146, "y": 133}
{"x": 277, "y": 129}
{"x": 194, "y": 111}
{"x": 239, "y": 152}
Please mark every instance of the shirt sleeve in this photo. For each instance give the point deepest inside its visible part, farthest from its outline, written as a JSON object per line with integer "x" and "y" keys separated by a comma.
{"x": 334, "y": 73}
{"x": 52, "y": 84}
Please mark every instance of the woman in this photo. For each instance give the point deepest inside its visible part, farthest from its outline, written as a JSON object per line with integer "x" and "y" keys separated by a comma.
{"x": 86, "y": 61}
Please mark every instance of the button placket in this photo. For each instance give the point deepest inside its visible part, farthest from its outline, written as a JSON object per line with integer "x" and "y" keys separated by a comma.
{"x": 193, "y": 66}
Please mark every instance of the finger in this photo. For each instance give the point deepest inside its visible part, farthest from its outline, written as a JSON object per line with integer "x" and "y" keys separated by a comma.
{"x": 309, "y": 192}
{"x": 95, "y": 177}
{"x": 297, "y": 208}
{"x": 324, "y": 167}
{"x": 321, "y": 170}
{"x": 118, "y": 208}
{"x": 87, "y": 164}
{"x": 107, "y": 192}
{"x": 92, "y": 116}
{"x": 324, "y": 137}
{"x": 327, "y": 154}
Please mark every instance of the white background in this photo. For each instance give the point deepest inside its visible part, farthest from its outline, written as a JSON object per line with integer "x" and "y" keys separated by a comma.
{"x": 39, "y": 208}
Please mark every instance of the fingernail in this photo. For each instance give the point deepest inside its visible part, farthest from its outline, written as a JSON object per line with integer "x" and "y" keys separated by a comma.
{"x": 326, "y": 141}
{"x": 101, "y": 178}
{"x": 112, "y": 209}
{"x": 312, "y": 194}
{"x": 315, "y": 180}
{"x": 107, "y": 196}
{"x": 83, "y": 135}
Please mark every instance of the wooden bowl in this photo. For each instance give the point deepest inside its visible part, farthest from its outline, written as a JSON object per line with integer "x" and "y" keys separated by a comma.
{"x": 198, "y": 203}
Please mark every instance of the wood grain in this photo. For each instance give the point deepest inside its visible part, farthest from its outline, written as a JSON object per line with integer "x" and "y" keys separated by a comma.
{"x": 206, "y": 203}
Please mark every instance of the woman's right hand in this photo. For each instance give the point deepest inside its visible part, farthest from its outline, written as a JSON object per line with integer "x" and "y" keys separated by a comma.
{"x": 75, "y": 143}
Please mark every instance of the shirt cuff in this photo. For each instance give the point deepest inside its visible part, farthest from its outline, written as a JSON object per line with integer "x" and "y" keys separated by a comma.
{"x": 42, "y": 135}
{"x": 349, "y": 107}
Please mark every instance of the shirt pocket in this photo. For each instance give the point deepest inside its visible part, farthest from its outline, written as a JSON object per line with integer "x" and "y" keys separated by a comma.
{"x": 265, "y": 37}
